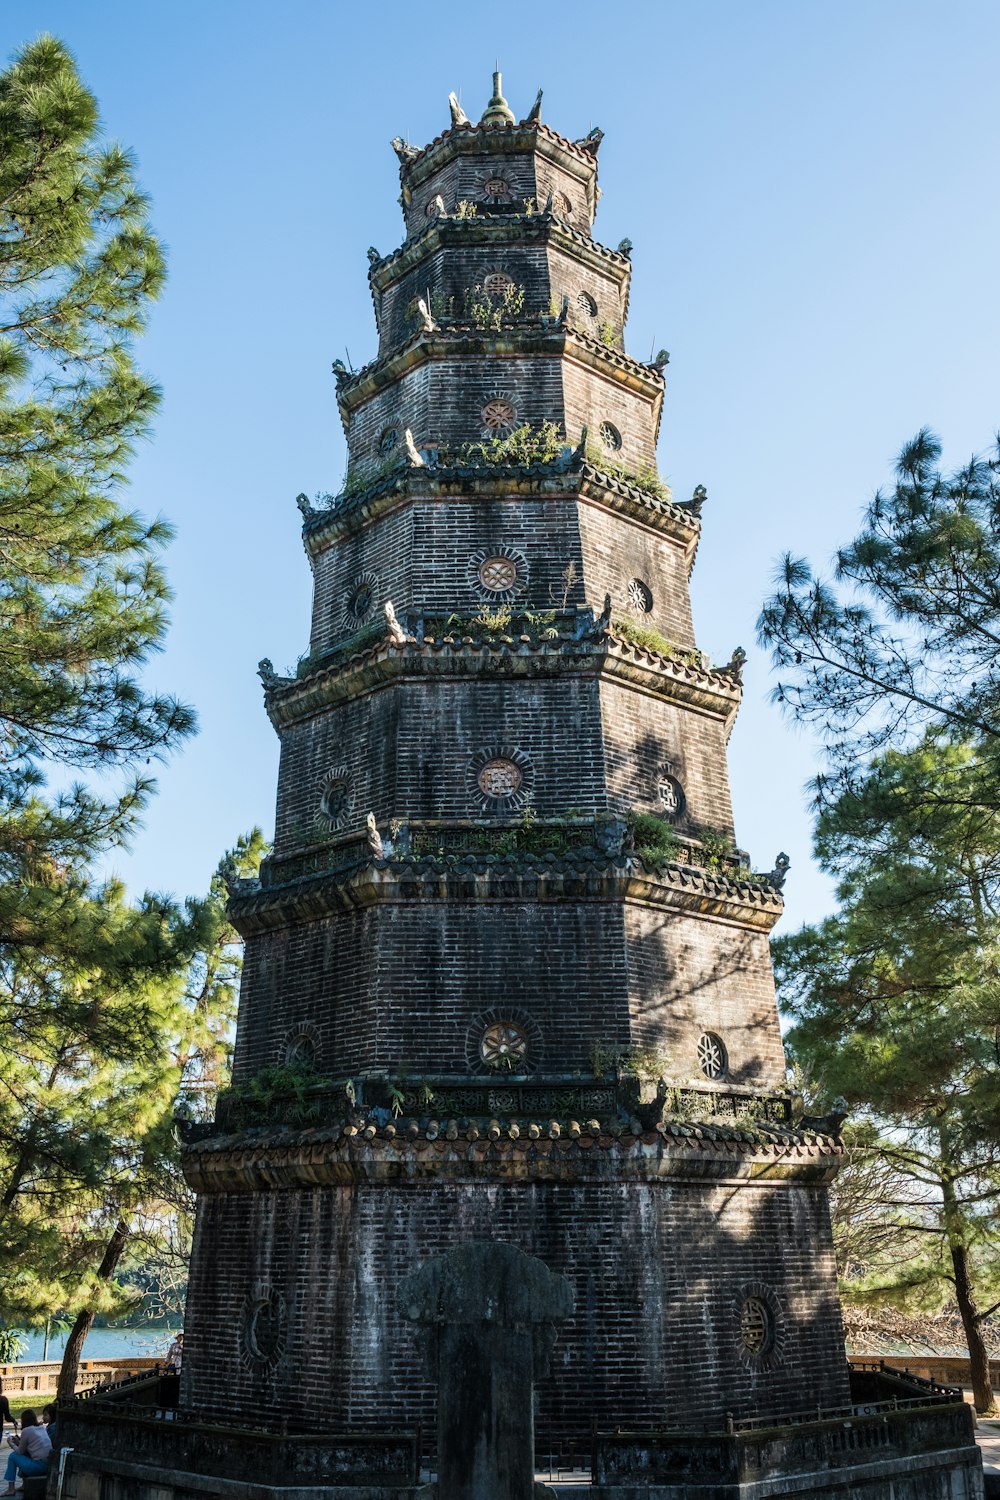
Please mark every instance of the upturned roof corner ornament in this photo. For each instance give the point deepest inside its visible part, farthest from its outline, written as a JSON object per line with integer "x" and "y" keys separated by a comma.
{"x": 498, "y": 111}
{"x": 458, "y": 115}
{"x": 403, "y": 149}
{"x": 373, "y": 256}
{"x": 829, "y": 1124}
{"x": 698, "y": 498}
{"x": 306, "y": 510}
{"x": 340, "y": 370}
{"x": 625, "y": 246}
{"x": 535, "y": 112}
{"x": 662, "y": 359}
{"x": 777, "y": 877}
{"x": 592, "y": 140}
{"x": 737, "y": 662}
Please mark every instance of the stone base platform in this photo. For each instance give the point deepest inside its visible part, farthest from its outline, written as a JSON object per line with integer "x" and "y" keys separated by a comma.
{"x": 879, "y": 1450}
{"x": 90, "y": 1478}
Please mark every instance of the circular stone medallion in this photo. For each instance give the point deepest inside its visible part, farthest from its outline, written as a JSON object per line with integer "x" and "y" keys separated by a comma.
{"x": 500, "y": 778}
{"x": 712, "y": 1059}
{"x": 499, "y": 417}
{"x": 504, "y": 1045}
{"x": 498, "y": 574}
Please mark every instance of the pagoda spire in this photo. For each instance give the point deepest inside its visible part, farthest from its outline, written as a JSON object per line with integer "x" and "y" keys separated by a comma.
{"x": 498, "y": 111}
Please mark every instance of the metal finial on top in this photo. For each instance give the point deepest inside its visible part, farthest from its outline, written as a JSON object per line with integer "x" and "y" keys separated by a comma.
{"x": 498, "y": 111}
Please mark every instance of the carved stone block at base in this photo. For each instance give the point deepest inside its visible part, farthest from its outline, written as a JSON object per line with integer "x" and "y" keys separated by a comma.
{"x": 489, "y": 1313}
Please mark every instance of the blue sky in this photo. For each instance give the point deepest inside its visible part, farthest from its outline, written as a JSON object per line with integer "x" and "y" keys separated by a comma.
{"x": 811, "y": 192}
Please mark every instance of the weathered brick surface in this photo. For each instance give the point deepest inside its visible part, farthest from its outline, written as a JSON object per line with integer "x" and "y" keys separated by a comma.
{"x": 659, "y": 1271}
{"x": 529, "y": 174}
{"x": 388, "y": 968}
{"x": 647, "y": 740}
{"x": 689, "y": 975}
{"x": 401, "y": 987}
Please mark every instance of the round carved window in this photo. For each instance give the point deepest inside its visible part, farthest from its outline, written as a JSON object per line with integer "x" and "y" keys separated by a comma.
{"x": 756, "y": 1326}
{"x": 388, "y": 440}
{"x": 671, "y": 796}
{"x": 496, "y": 190}
{"x": 500, "y": 779}
{"x": 361, "y": 599}
{"x": 640, "y": 597}
{"x": 433, "y": 209}
{"x": 504, "y": 1045}
{"x": 300, "y": 1052}
{"x": 263, "y": 1330}
{"x": 712, "y": 1058}
{"x": 586, "y": 304}
{"x": 335, "y": 799}
{"x": 498, "y": 574}
{"x": 495, "y": 283}
{"x": 610, "y": 436}
{"x": 562, "y": 206}
{"x": 499, "y": 417}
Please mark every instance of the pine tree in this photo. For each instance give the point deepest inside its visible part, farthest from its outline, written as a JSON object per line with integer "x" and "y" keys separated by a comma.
{"x": 896, "y": 1006}
{"x": 82, "y": 593}
{"x": 97, "y": 1057}
{"x": 908, "y": 634}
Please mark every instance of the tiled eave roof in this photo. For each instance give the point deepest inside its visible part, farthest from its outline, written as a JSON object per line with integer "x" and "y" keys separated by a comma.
{"x": 546, "y": 481}
{"x": 355, "y": 674}
{"x": 532, "y": 336}
{"x": 579, "y": 875}
{"x": 528, "y": 135}
{"x": 496, "y": 231}
{"x": 526, "y": 1151}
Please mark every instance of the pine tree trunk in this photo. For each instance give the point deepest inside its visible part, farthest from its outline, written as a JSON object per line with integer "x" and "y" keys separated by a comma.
{"x": 979, "y": 1363}
{"x": 85, "y": 1320}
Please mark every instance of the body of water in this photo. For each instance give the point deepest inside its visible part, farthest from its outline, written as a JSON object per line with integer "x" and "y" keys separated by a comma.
{"x": 105, "y": 1343}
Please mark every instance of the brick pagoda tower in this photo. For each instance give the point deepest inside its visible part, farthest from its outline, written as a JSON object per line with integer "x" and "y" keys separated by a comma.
{"x": 507, "y": 974}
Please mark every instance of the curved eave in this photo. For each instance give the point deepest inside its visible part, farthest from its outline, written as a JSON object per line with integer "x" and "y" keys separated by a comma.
{"x": 547, "y": 481}
{"x": 494, "y": 231}
{"x": 514, "y": 341}
{"x": 568, "y": 879}
{"x": 716, "y": 694}
{"x": 528, "y": 136}
{"x": 341, "y": 1155}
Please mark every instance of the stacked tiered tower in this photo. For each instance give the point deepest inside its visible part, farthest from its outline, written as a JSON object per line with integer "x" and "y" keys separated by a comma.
{"x": 507, "y": 974}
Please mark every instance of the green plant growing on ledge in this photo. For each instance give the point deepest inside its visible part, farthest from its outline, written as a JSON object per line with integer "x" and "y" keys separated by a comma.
{"x": 485, "y": 310}
{"x": 525, "y": 445}
{"x": 656, "y": 840}
{"x": 367, "y": 635}
{"x": 644, "y": 478}
{"x": 718, "y": 847}
{"x": 647, "y": 1064}
{"x": 494, "y": 621}
{"x": 650, "y": 639}
{"x": 442, "y": 306}
{"x": 285, "y": 1085}
{"x": 607, "y": 336}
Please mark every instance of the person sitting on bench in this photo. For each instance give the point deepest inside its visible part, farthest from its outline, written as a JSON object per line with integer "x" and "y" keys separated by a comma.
{"x": 30, "y": 1452}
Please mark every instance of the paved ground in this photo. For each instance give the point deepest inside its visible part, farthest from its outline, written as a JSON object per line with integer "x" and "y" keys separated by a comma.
{"x": 988, "y": 1438}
